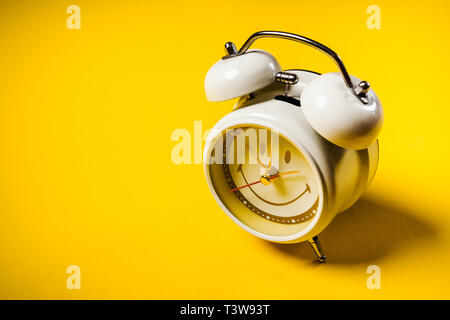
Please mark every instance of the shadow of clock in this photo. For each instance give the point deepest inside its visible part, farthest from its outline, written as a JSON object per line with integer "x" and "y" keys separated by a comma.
{"x": 367, "y": 232}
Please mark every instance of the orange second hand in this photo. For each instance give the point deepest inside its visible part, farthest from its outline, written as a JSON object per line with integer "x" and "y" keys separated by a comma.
{"x": 247, "y": 185}
{"x": 271, "y": 178}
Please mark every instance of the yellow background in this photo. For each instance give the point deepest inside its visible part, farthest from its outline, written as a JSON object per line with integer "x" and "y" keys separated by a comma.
{"x": 86, "y": 176}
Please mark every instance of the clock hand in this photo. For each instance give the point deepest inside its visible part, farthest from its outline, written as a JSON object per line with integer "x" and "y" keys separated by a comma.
{"x": 266, "y": 179}
{"x": 247, "y": 185}
{"x": 285, "y": 173}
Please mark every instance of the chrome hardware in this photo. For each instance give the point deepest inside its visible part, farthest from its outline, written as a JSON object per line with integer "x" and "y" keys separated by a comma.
{"x": 295, "y": 37}
{"x": 361, "y": 90}
{"x": 230, "y": 49}
{"x": 286, "y": 77}
{"x": 315, "y": 244}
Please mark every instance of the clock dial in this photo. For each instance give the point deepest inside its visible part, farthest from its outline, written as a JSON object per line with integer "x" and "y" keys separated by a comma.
{"x": 265, "y": 181}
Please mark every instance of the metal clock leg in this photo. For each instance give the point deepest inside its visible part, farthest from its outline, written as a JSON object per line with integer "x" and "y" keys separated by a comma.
{"x": 315, "y": 244}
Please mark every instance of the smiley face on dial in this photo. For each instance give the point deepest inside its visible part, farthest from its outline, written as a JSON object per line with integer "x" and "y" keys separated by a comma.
{"x": 272, "y": 179}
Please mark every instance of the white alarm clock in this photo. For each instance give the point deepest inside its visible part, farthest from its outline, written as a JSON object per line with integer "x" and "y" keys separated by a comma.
{"x": 298, "y": 147}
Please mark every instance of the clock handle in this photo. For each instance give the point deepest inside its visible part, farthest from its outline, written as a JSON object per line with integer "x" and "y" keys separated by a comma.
{"x": 359, "y": 90}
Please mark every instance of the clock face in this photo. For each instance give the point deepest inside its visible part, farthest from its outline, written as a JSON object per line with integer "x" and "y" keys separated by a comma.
{"x": 264, "y": 181}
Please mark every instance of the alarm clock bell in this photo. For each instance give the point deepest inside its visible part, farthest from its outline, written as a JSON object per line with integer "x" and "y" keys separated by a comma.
{"x": 328, "y": 125}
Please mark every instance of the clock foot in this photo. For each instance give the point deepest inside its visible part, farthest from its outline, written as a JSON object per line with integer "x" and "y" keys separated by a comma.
{"x": 315, "y": 244}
